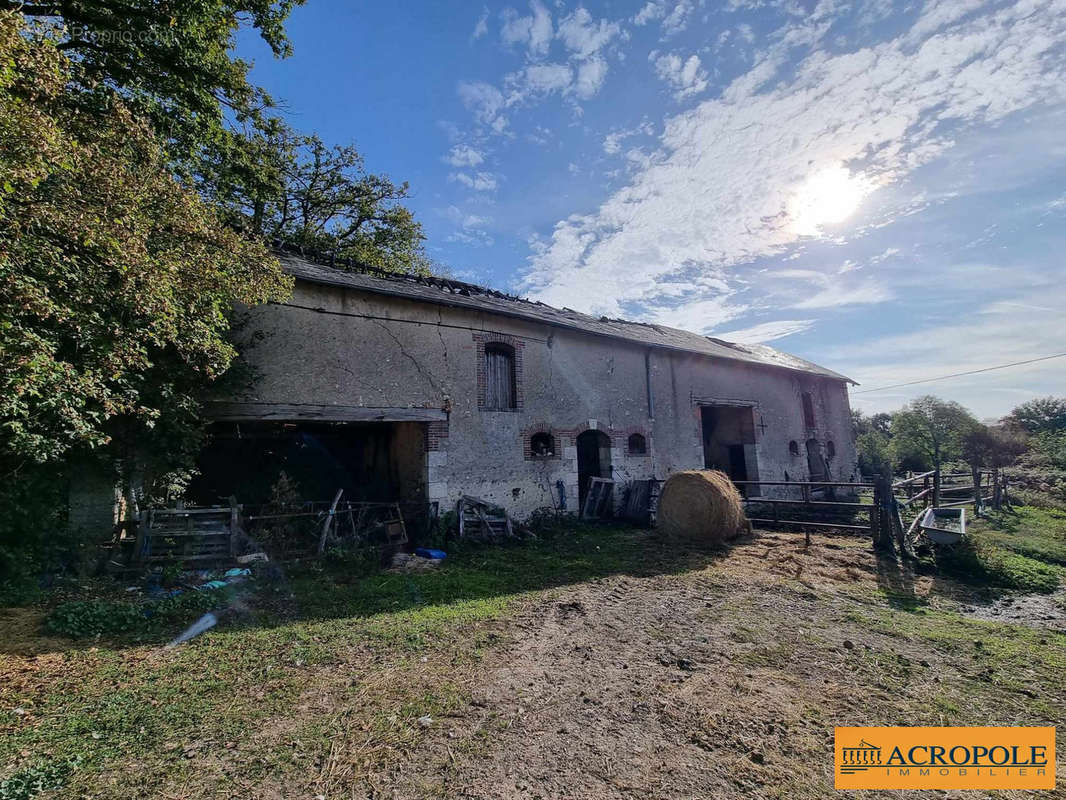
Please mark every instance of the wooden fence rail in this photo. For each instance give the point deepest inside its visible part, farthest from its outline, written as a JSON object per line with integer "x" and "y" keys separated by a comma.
{"x": 884, "y": 500}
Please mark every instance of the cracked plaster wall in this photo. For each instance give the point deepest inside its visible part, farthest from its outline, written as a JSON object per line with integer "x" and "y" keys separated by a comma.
{"x": 344, "y": 347}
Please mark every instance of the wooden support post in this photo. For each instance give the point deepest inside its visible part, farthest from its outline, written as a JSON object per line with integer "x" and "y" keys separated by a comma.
{"x": 234, "y": 526}
{"x": 885, "y": 512}
{"x": 936, "y": 488}
{"x": 328, "y": 523}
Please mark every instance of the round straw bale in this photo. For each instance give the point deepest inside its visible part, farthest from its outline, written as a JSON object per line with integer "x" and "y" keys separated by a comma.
{"x": 703, "y": 505}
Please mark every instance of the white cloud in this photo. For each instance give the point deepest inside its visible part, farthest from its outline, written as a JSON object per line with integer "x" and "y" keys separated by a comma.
{"x": 462, "y": 155}
{"x": 590, "y": 77}
{"x": 583, "y": 36}
{"x": 673, "y": 18}
{"x": 612, "y": 142}
{"x": 686, "y": 76}
{"x": 766, "y": 331}
{"x": 716, "y": 194}
{"x": 479, "y": 181}
{"x": 483, "y": 99}
{"x": 541, "y": 79}
{"x": 470, "y": 227}
{"x": 651, "y": 11}
{"x": 678, "y": 18}
{"x": 534, "y": 31}
{"x": 482, "y": 26}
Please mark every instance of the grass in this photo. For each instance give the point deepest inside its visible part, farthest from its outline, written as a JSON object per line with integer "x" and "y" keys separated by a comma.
{"x": 121, "y": 699}
{"x": 326, "y": 674}
{"x": 1023, "y": 550}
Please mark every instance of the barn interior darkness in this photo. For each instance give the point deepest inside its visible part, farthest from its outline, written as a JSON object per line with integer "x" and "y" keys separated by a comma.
{"x": 375, "y": 462}
{"x": 729, "y": 441}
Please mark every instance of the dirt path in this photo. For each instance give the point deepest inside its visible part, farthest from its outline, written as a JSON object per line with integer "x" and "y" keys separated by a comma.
{"x": 670, "y": 686}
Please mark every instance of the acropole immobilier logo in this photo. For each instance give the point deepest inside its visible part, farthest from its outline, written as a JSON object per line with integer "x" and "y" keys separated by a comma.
{"x": 945, "y": 758}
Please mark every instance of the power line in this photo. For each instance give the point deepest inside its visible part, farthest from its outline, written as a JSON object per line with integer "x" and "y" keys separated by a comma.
{"x": 960, "y": 374}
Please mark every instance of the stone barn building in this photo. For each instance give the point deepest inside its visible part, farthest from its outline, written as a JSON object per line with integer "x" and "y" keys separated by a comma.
{"x": 425, "y": 389}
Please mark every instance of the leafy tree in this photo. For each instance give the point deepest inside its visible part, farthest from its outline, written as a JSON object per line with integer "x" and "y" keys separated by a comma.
{"x": 875, "y": 423}
{"x": 1041, "y": 415}
{"x": 875, "y": 452}
{"x": 117, "y": 284}
{"x": 171, "y": 61}
{"x": 986, "y": 447}
{"x": 931, "y": 428}
{"x": 323, "y": 198}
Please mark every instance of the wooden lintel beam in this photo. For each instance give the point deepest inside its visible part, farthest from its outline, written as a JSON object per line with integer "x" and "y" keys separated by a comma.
{"x": 283, "y": 412}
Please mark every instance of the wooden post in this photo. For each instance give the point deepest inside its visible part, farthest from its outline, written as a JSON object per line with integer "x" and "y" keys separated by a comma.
{"x": 234, "y": 526}
{"x": 936, "y": 488}
{"x": 328, "y": 522}
{"x": 884, "y": 511}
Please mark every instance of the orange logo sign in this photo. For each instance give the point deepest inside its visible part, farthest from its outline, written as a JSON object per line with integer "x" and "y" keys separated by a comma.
{"x": 945, "y": 758}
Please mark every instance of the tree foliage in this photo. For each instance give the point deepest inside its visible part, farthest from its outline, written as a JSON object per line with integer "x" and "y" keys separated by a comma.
{"x": 171, "y": 61}
{"x": 873, "y": 442}
{"x": 1041, "y": 415}
{"x": 116, "y": 282}
{"x": 173, "y": 65}
{"x": 299, "y": 190}
{"x": 932, "y": 429}
{"x": 987, "y": 447}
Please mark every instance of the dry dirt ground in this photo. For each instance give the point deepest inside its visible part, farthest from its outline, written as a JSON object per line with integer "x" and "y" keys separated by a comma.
{"x": 725, "y": 682}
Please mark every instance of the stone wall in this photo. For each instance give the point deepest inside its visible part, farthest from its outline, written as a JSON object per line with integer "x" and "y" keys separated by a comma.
{"x": 348, "y": 348}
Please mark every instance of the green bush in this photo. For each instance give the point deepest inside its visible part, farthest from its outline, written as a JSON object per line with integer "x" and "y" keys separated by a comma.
{"x": 79, "y": 619}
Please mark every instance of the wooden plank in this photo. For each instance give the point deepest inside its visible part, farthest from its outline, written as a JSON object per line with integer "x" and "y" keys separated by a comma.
{"x": 863, "y": 528}
{"x": 773, "y": 501}
{"x": 804, "y": 483}
{"x": 285, "y": 412}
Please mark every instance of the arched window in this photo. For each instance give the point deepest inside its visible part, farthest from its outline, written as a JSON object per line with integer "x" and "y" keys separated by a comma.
{"x": 808, "y": 410}
{"x": 637, "y": 445}
{"x": 830, "y": 449}
{"x": 499, "y": 377}
{"x": 793, "y": 448}
{"x": 542, "y": 445}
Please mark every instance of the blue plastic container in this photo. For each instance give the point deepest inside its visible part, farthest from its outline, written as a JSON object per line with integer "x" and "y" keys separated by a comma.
{"x": 426, "y": 552}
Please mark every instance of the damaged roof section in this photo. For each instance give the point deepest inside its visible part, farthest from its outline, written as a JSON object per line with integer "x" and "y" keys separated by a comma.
{"x": 444, "y": 291}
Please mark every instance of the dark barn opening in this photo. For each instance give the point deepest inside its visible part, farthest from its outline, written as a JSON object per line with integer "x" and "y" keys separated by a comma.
{"x": 729, "y": 441}
{"x": 371, "y": 462}
{"x": 593, "y": 460}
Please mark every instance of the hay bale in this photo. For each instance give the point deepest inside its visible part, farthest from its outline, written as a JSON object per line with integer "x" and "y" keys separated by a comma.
{"x": 702, "y": 505}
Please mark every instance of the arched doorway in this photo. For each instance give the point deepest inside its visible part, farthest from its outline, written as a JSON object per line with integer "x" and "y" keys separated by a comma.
{"x": 593, "y": 460}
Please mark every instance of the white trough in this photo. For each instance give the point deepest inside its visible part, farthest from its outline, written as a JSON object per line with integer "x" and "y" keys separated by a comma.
{"x": 944, "y": 525}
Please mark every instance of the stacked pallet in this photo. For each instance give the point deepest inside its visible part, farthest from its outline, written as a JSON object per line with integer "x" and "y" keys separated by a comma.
{"x": 203, "y": 535}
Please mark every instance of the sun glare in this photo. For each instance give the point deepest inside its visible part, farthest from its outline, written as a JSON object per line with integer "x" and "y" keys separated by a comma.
{"x": 826, "y": 198}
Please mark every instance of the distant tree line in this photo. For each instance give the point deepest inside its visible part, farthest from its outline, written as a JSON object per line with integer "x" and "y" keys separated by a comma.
{"x": 929, "y": 433}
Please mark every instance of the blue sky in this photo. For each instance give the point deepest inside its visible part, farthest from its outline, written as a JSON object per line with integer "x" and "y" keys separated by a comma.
{"x": 879, "y": 187}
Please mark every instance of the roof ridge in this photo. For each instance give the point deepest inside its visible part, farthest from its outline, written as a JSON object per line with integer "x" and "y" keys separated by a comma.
{"x": 333, "y": 260}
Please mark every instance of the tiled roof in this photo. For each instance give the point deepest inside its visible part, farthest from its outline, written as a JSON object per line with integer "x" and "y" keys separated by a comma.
{"x": 443, "y": 291}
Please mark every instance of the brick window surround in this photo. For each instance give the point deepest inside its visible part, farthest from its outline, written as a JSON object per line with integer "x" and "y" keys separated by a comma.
{"x": 515, "y": 343}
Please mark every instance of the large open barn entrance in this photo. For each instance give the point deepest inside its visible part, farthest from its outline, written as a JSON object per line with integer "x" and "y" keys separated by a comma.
{"x": 729, "y": 441}
{"x": 370, "y": 461}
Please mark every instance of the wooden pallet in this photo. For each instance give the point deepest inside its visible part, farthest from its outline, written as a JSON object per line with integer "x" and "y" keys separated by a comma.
{"x": 479, "y": 519}
{"x": 202, "y": 535}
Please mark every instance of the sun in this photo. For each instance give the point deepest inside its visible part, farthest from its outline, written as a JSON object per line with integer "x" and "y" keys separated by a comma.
{"x": 827, "y": 197}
